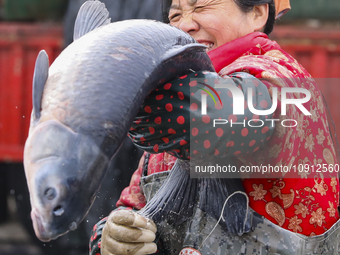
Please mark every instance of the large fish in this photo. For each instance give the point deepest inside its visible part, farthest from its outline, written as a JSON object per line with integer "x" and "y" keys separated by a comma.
{"x": 85, "y": 103}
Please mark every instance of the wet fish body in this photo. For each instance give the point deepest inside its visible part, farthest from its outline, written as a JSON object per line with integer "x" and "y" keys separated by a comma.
{"x": 85, "y": 103}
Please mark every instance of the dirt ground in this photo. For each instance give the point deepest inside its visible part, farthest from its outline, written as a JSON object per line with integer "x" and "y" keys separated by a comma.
{"x": 14, "y": 239}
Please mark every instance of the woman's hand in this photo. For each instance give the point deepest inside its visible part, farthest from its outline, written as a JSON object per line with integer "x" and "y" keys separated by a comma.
{"x": 126, "y": 232}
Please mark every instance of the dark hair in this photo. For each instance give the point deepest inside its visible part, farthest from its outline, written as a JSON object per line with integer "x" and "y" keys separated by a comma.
{"x": 245, "y": 6}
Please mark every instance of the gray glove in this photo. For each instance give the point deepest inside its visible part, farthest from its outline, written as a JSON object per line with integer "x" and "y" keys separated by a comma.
{"x": 126, "y": 232}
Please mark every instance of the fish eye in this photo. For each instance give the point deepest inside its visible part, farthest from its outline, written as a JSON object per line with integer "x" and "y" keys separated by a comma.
{"x": 50, "y": 193}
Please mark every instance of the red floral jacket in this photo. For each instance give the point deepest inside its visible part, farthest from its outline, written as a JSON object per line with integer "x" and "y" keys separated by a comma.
{"x": 306, "y": 204}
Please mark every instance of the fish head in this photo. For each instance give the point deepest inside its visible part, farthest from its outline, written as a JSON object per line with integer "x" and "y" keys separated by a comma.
{"x": 64, "y": 170}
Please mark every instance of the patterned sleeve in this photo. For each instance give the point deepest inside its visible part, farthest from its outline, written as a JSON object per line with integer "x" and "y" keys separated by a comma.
{"x": 171, "y": 117}
{"x": 132, "y": 196}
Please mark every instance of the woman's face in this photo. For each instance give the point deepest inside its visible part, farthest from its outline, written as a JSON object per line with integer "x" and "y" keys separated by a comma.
{"x": 211, "y": 22}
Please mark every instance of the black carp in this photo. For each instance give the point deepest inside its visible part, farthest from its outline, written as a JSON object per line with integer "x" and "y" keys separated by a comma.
{"x": 85, "y": 103}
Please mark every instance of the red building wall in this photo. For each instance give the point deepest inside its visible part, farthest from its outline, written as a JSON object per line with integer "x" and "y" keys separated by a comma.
{"x": 19, "y": 46}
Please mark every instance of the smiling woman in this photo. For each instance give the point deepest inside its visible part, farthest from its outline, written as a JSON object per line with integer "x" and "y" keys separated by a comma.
{"x": 289, "y": 213}
{"x": 216, "y": 22}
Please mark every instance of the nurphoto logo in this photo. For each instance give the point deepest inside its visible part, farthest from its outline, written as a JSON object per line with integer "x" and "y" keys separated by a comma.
{"x": 238, "y": 104}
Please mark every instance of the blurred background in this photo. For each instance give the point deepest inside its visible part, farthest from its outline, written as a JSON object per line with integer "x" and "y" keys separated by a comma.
{"x": 310, "y": 32}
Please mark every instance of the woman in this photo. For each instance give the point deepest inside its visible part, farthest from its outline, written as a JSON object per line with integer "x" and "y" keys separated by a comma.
{"x": 280, "y": 207}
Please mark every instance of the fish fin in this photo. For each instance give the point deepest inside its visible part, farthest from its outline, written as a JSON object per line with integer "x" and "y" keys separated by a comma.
{"x": 182, "y": 49}
{"x": 92, "y": 14}
{"x": 39, "y": 79}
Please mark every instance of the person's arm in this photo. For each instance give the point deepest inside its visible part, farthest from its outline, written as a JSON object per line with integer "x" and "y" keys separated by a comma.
{"x": 172, "y": 114}
{"x": 172, "y": 133}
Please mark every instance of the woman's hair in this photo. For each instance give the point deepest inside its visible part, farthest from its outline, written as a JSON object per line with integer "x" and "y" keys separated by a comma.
{"x": 244, "y": 5}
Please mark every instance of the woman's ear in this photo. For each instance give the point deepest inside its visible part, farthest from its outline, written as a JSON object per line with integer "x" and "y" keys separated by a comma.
{"x": 261, "y": 13}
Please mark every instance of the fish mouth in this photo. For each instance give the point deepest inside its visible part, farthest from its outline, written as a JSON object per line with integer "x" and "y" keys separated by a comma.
{"x": 46, "y": 234}
{"x": 38, "y": 226}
